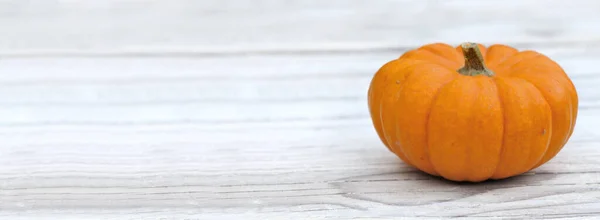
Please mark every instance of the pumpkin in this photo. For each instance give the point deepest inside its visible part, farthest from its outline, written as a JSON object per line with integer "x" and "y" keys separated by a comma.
{"x": 471, "y": 112}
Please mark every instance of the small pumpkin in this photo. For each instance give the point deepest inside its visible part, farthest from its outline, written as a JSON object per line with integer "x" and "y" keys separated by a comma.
{"x": 473, "y": 113}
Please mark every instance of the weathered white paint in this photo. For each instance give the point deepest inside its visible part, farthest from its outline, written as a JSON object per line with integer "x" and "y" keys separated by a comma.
{"x": 163, "y": 109}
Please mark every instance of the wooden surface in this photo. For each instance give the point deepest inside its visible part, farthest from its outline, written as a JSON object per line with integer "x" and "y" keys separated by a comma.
{"x": 237, "y": 109}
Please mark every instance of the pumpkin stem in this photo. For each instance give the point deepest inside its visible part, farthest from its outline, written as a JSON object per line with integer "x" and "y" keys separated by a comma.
{"x": 474, "y": 63}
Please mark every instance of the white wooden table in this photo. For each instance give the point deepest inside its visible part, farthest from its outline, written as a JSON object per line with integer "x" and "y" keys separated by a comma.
{"x": 235, "y": 109}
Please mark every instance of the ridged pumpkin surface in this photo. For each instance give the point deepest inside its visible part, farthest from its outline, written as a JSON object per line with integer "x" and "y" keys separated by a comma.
{"x": 471, "y": 113}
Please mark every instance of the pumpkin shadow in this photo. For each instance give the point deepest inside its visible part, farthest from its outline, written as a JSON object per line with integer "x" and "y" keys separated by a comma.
{"x": 527, "y": 178}
{"x": 408, "y": 186}
{"x": 510, "y": 180}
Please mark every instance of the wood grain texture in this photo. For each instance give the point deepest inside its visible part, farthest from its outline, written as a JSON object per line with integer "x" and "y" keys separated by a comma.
{"x": 167, "y": 110}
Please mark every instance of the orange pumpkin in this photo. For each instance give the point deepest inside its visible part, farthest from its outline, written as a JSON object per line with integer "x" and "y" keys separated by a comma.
{"x": 471, "y": 113}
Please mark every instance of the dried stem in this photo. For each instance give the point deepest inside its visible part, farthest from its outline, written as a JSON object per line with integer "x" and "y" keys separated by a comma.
{"x": 474, "y": 63}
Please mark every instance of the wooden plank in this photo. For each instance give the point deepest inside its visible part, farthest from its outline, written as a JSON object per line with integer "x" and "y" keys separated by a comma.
{"x": 237, "y": 26}
{"x": 166, "y": 90}
{"x": 356, "y": 177}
